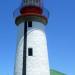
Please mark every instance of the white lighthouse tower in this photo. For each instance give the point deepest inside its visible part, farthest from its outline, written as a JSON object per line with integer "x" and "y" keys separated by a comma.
{"x": 32, "y": 52}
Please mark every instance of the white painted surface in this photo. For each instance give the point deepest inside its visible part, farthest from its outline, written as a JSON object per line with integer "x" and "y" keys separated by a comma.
{"x": 38, "y": 63}
{"x": 19, "y": 52}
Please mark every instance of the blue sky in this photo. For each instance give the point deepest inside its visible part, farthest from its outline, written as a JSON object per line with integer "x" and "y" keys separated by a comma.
{"x": 60, "y": 33}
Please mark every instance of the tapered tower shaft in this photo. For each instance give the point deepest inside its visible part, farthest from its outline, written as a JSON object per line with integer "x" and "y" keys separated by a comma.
{"x": 32, "y": 52}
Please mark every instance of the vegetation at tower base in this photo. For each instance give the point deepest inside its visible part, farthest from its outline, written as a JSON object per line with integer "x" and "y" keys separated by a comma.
{"x": 54, "y": 72}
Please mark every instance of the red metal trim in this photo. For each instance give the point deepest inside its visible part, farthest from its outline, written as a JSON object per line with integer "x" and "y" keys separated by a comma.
{"x": 31, "y": 9}
{"x": 32, "y": 14}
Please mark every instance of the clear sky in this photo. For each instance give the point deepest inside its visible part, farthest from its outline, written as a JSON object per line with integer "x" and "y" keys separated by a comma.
{"x": 60, "y": 33}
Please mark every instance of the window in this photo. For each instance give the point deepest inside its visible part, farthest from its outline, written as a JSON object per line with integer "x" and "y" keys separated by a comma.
{"x": 30, "y": 52}
{"x": 30, "y": 24}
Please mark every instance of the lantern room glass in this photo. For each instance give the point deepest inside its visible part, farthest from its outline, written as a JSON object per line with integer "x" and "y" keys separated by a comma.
{"x": 38, "y": 3}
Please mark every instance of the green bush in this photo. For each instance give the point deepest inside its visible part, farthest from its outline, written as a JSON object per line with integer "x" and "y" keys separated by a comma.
{"x": 54, "y": 72}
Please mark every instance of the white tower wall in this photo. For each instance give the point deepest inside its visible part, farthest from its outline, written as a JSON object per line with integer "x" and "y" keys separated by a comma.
{"x": 36, "y": 39}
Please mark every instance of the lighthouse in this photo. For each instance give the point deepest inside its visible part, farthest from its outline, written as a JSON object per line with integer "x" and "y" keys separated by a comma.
{"x": 32, "y": 53}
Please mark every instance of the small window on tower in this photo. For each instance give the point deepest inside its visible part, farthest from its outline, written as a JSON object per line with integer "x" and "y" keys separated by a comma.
{"x": 30, "y": 52}
{"x": 30, "y": 24}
